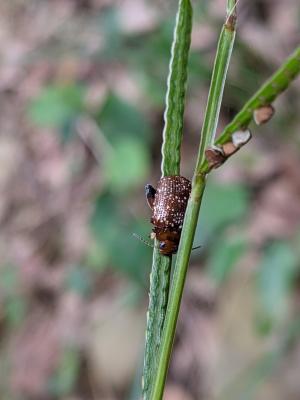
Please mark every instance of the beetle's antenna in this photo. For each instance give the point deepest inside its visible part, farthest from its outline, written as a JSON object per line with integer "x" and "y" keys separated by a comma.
{"x": 197, "y": 247}
{"x": 142, "y": 240}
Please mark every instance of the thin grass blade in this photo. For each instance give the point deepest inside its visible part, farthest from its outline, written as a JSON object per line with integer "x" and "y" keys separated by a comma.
{"x": 172, "y": 137}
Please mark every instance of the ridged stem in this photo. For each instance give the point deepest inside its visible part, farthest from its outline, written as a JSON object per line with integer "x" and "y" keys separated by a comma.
{"x": 172, "y": 137}
{"x": 175, "y": 98}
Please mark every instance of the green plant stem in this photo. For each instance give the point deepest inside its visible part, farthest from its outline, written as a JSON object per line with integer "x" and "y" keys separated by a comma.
{"x": 175, "y": 98}
{"x": 176, "y": 291}
{"x": 222, "y": 59}
{"x": 158, "y": 299}
{"x": 172, "y": 137}
{"x": 271, "y": 89}
{"x": 191, "y": 217}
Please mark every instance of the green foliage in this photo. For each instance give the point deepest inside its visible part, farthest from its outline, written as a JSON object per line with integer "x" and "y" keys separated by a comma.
{"x": 274, "y": 282}
{"x": 127, "y": 165}
{"x": 118, "y": 118}
{"x": 15, "y": 305}
{"x": 147, "y": 55}
{"x": 222, "y": 205}
{"x": 15, "y": 310}
{"x": 65, "y": 377}
{"x": 111, "y": 29}
{"x": 114, "y": 230}
{"x": 126, "y": 159}
{"x": 9, "y": 279}
{"x": 78, "y": 280}
{"x": 250, "y": 380}
{"x": 224, "y": 257}
{"x": 97, "y": 257}
{"x": 150, "y": 60}
{"x": 56, "y": 105}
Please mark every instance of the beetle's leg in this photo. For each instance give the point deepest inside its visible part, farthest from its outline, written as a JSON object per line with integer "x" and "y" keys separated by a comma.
{"x": 150, "y": 195}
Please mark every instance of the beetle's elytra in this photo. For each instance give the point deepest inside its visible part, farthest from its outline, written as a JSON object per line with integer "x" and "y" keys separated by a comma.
{"x": 168, "y": 203}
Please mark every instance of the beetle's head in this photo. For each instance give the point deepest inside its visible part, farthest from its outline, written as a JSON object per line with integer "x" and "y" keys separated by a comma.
{"x": 168, "y": 247}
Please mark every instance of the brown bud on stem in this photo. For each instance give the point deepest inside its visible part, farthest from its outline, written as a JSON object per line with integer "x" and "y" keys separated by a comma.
{"x": 238, "y": 139}
{"x": 229, "y": 148}
{"x": 215, "y": 157}
{"x": 263, "y": 114}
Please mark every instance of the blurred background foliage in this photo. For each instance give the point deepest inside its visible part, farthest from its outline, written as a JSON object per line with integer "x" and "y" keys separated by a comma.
{"x": 82, "y": 86}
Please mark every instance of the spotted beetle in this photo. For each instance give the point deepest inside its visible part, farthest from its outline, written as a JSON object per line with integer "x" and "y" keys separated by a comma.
{"x": 168, "y": 204}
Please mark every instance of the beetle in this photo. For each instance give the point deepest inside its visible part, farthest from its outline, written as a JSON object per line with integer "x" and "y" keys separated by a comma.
{"x": 168, "y": 204}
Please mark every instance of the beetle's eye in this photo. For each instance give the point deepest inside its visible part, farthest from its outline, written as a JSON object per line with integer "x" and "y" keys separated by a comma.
{"x": 162, "y": 245}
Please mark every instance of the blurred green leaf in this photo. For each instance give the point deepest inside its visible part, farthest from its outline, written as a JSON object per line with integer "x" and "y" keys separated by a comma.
{"x": 113, "y": 229}
{"x": 149, "y": 58}
{"x": 15, "y": 308}
{"x": 110, "y": 26}
{"x": 222, "y": 205}
{"x": 246, "y": 384}
{"x": 106, "y": 219}
{"x": 15, "y": 305}
{"x": 118, "y": 118}
{"x": 147, "y": 54}
{"x": 127, "y": 162}
{"x": 56, "y": 105}
{"x": 127, "y": 165}
{"x": 224, "y": 257}
{"x": 274, "y": 281}
{"x": 9, "y": 282}
{"x": 97, "y": 256}
{"x": 78, "y": 280}
{"x": 65, "y": 377}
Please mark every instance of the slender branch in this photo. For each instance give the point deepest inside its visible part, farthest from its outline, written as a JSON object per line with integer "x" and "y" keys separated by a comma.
{"x": 191, "y": 217}
{"x": 222, "y": 59}
{"x": 172, "y": 137}
{"x": 272, "y": 88}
